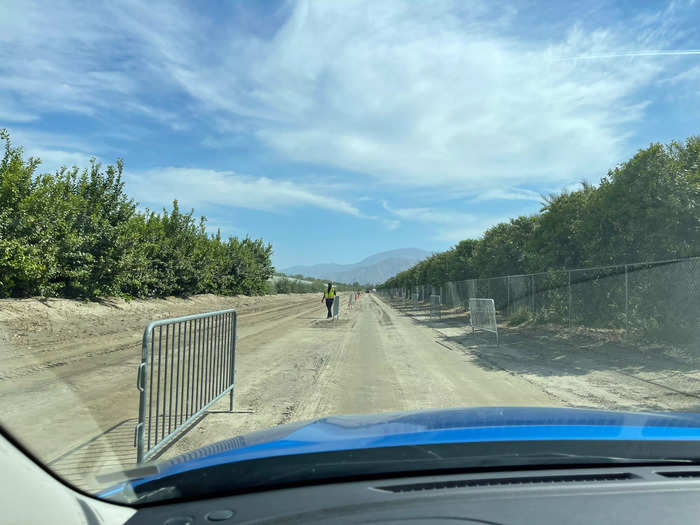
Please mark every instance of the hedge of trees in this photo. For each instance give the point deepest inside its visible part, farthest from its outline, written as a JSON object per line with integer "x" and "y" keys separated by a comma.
{"x": 283, "y": 284}
{"x": 291, "y": 284}
{"x": 645, "y": 209}
{"x": 77, "y": 234}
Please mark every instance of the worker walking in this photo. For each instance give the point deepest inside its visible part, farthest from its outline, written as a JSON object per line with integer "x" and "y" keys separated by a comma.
{"x": 329, "y": 296}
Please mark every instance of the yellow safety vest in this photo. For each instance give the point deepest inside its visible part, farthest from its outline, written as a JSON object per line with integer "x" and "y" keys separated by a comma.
{"x": 329, "y": 295}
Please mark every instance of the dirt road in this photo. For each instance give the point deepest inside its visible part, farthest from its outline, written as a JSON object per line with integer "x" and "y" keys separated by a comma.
{"x": 67, "y": 370}
{"x": 72, "y": 396}
{"x": 373, "y": 359}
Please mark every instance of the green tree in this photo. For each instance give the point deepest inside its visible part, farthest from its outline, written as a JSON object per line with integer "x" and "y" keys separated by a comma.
{"x": 77, "y": 234}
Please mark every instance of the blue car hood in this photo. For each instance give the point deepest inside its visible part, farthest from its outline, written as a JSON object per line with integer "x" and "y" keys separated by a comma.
{"x": 436, "y": 427}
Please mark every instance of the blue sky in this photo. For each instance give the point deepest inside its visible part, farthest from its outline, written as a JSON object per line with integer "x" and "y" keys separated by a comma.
{"x": 338, "y": 129}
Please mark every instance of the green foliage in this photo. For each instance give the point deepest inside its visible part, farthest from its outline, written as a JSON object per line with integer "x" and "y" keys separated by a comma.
{"x": 77, "y": 234}
{"x": 518, "y": 317}
{"x": 645, "y": 209}
{"x": 285, "y": 285}
{"x": 290, "y": 284}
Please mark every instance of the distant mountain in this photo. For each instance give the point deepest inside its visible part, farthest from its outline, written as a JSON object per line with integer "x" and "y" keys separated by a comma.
{"x": 376, "y": 268}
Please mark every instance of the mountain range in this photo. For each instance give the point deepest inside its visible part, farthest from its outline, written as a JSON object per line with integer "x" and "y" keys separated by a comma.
{"x": 375, "y": 269}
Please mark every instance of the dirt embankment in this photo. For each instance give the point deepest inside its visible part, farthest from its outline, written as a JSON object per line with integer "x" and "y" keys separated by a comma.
{"x": 36, "y": 321}
{"x": 68, "y": 368}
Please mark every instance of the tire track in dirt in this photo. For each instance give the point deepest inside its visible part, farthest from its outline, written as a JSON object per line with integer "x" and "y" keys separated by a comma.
{"x": 89, "y": 348}
{"x": 84, "y": 385}
{"x": 276, "y": 381}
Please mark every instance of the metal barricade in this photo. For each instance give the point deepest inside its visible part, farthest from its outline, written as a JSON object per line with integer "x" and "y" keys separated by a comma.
{"x": 482, "y": 315}
{"x": 187, "y": 364}
{"x": 435, "y": 306}
{"x": 336, "y": 307}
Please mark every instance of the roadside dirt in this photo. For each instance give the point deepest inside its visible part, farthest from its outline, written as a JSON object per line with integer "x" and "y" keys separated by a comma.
{"x": 581, "y": 368}
{"x": 68, "y": 371}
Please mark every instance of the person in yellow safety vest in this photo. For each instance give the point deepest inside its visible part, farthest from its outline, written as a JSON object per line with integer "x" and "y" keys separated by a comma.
{"x": 328, "y": 296}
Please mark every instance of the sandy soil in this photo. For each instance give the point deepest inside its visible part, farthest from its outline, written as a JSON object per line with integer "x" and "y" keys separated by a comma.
{"x": 581, "y": 368}
{"x": 68, "y": 371}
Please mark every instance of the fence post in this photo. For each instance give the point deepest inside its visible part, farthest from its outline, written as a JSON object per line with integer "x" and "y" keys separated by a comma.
{"x": 570, "y": 302}
{"x": 507, "y": 294}
{"x": 233, "y": 360}
{"x": 627, "y": 302}
{"x": 141, "y": 387}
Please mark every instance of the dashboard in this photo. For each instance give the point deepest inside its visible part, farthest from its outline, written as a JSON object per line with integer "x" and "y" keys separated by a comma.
{"x": 636, "y": 495}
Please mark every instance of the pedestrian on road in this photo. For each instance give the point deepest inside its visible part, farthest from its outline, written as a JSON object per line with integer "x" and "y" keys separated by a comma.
{"x": 328, "y": 296}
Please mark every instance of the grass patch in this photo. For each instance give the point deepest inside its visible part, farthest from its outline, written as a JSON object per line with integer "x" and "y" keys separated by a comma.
{"x": 520, "y": 316}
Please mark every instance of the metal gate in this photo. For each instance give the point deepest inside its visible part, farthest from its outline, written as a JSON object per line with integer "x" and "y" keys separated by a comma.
{"x": 435, "y": 306}
{"x": 482, "y": 315}
{"x": 187, "y": 364}
{"x": 336, "y": 307}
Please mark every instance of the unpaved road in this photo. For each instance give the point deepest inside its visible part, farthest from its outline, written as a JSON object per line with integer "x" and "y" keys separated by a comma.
{"x": 72, "y": 395}
{"x": 68, "y": 369}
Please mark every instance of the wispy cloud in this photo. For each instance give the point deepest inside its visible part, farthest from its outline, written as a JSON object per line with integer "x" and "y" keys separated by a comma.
{"x": 381, "y": 89}
{"x": 391, "y": 224}
{"x": 649, "y": 53}
{"x": 9, "y": 112}
{"x": 57, "y": 57}
{"x": 200, "y": 188}
{"x": 507, "y": 194}
{"x": 449, "y": 225}
{"x": 430, "y": 215}
{"x": 416, "y": 100}
{"x": 52, "y": 159}
{"x": 55, "y": 150}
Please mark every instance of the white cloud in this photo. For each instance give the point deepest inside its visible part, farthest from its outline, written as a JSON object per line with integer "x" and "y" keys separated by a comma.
{"x": 574, "y": 186}
{"x": 55, "y": 150}
{"x": 430, "y": 215}
{"x": 449, "y": 225}
{"x": 391, "y": 224}
{"x": 412, "y": 94}
{"x": 510, "y": 194}
{"x": 642, "y": 53}
{"x": 9, "y": 112}
{"x": 52, "y": 160}
{"x": 198, "y": 188}
{"x": 8, "y": 115}
{"x": 690, "y": 79}
{"x": 418, "y": 96}
{"x": 456, "y": 234}
{"x": 57, "y": 57}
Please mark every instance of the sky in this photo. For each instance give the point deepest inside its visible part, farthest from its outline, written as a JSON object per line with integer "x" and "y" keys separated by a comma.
{"x": 338, "y": 129}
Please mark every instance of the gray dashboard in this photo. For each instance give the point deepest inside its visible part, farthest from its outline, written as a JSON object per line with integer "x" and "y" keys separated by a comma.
{"x": 625, "y": 495}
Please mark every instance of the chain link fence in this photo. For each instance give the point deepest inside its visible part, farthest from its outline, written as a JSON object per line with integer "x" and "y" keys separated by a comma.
{"x": 660, "y": 299}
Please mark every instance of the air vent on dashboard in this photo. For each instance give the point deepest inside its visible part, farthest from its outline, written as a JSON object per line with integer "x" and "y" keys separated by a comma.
{"x": 680, "y": 474}
{"x": 523, "y": 480}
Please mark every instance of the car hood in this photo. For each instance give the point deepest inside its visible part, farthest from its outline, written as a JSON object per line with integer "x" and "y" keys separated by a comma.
{"x": 432, "y": 427}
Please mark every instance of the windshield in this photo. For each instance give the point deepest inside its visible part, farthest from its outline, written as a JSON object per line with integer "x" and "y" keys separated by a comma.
{"x": 233, "y": 218}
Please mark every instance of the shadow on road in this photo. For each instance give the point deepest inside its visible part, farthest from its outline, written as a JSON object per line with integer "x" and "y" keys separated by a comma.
{"x": 549, "y": 352}
{"x": 111, "y": 450}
